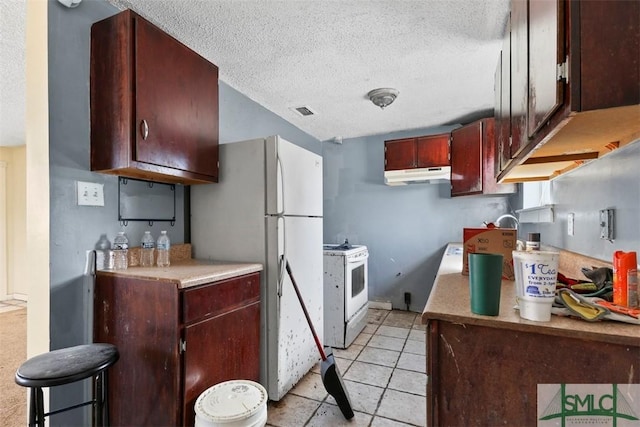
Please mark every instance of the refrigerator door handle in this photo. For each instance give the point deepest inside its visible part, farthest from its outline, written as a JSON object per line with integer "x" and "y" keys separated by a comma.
{"x": 280, "y": 164}
{"x": 280, "y": 215}
{"x": 283, "y": 258}
{"x": 281, "y": 267}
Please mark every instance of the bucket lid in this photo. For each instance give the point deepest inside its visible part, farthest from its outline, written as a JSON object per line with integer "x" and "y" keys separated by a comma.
{"x": 231, "y": 401}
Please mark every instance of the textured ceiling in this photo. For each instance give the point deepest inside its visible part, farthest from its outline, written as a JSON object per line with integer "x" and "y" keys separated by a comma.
{"x": 12, "y": 72}
{"x": 327, "y": 55}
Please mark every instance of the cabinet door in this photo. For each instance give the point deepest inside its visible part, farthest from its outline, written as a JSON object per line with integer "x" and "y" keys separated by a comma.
{"x": 400, "y": 154}
{"x": 176, "y": 104}
{"x": 606, "y": 54}
{"x": 504, "y": 124}
{"x": 546, "y": 51}
{"x": 497, "y": 113}
{"x": 222, "y": 336}
{"x": 489, "y": 163}
{"x": 466, "y": 160}
{"x": 221, "y": 348}
{"x": 140, "y": 317}
{"x": 433, "y": 151}
{"x": 519, "y": 75}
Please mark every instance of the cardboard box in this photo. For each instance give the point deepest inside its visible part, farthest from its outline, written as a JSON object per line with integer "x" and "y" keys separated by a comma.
{"x": 490, "y": 241}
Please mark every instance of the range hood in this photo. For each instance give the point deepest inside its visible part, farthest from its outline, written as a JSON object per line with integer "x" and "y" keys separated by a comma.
{"x": 418, "y": 176}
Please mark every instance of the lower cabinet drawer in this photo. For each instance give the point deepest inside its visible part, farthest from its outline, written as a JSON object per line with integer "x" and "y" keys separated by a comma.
{"x": 220, "y": 297}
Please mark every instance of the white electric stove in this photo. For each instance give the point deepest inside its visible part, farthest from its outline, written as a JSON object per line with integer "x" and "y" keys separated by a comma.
{"x": 346, "y": 293}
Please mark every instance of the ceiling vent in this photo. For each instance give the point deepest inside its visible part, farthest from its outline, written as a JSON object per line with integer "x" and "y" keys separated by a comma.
{"x": 304, "y": 111}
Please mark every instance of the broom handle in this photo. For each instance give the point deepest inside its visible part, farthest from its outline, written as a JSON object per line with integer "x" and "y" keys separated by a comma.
{"x": 306, "y": 313}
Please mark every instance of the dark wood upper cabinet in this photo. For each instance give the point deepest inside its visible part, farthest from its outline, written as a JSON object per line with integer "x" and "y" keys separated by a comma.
{"x": 546, "y": 51}
{"x": 433, "y": 150}
{"x": 420, "y": 152}
{"x": 400, "y": 154}
{"x": 575, "y": 85}
{"x": 473, "y": 166}
{"x": 502, "y": 111}
{"x": 466, "y": 160}
{"x": 519, "y": 49}
{"x": 154, "y": 104}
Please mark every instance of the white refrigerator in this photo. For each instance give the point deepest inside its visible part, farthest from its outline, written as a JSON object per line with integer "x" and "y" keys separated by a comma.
{"x": 267, "y": 206}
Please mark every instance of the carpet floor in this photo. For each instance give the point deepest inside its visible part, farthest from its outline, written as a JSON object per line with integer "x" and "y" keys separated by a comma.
{"x": 13, "y": 352}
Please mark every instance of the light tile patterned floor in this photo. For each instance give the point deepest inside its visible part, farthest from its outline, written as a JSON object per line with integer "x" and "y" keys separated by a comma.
{"x": 383, "y": 371}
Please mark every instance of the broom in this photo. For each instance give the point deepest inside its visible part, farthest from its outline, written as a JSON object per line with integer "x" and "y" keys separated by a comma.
{"x": 329, "y": 371}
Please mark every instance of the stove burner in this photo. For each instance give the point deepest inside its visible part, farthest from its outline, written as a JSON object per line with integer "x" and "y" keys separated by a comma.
{"x": 342, "y": 247}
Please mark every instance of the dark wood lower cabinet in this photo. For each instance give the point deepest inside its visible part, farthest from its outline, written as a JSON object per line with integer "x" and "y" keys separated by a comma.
{"x": 175, "y": 343}
{"x": 486, "y": 376}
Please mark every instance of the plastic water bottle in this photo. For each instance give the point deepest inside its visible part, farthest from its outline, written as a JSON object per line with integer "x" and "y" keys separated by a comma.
{"x": 146, "y": 249}
{"x": 163, "y": 249}
{"x": 121, "y": 250}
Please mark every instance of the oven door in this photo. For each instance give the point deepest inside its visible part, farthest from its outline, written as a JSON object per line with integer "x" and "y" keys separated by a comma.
{"x": 356, "y": 283}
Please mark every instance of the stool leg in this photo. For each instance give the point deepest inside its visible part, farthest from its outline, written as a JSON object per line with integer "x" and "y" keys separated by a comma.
{"x": 105, "y": 391}
{"x": 101, "y": 415}
{"x": 97, "y": 401}
{"x": 33, "y": 398}
{"x": 39, "y": 407}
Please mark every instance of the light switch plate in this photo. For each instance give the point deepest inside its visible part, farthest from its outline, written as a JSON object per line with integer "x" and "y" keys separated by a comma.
{"x": 606, "y": 224}
{"x": 90, "y": 194}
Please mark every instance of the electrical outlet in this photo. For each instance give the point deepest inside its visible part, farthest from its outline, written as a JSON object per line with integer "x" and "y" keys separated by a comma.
{"x": 570, "y": 223}
{"x": 90, "y": 194}
{"x": 606, "y": 224}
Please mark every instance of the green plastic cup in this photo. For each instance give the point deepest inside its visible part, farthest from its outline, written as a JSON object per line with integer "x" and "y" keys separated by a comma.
{"x": 485, "y": 280}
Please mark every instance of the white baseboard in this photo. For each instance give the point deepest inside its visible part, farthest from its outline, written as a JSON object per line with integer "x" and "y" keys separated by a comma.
{"x": 21, "y": 297}
{"x": 381, "y": 305}
{"x": 8, "y": 297}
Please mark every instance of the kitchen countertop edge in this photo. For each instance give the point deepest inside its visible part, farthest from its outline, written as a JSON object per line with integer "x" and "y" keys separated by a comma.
{"x": 189, "y": 273}
{"x": 449, "y": 301}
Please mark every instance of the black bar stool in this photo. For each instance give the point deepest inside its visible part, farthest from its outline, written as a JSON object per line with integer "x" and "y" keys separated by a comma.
{"x": 66, "y": 366}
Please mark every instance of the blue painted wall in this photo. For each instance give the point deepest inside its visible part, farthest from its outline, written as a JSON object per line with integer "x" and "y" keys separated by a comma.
{"x": 76, "y": 229}
{"x": 405, "y": 228}
{"x": 612, "y": 182}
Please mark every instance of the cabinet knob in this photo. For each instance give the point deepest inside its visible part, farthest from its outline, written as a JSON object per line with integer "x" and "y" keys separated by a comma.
{"x": 144, "y": 129}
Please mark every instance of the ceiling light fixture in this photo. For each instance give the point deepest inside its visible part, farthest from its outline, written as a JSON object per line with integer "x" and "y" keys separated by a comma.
{"x": 70, "y": 3}
{"x": 383, "y": 96}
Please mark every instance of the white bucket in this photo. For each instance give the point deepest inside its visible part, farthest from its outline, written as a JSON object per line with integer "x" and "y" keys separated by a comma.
{"x": 536, "y": 274}
{"x": 236, "y": 403}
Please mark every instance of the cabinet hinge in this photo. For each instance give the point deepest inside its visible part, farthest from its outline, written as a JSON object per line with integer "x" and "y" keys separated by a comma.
{"x": 510, "y": 141}
{"x": 563, "y": 71}
{"x": 183, "y": 346}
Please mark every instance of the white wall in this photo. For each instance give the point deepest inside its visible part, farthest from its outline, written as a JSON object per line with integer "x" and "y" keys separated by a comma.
{"x": 14, "y": 211}
{"x": 37, "y": 173}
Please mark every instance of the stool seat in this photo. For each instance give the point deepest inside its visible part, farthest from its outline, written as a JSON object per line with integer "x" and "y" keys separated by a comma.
{"x": 66, "y": 365}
